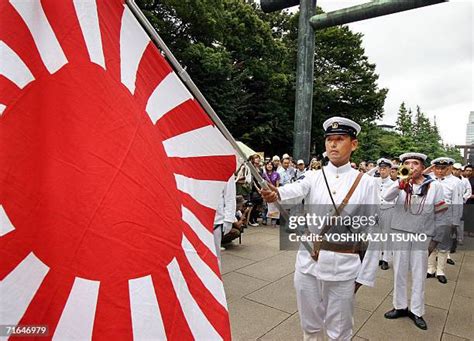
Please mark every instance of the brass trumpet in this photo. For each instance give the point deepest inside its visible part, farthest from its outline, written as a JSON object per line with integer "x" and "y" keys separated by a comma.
{"x": 315, "y": 165}
{"x": 404, "y": 172}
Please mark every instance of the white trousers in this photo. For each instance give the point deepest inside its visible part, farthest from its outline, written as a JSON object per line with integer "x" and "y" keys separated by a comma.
{"x": 319, "y": 336}
{"x": 410, "y": 255}
{"x": 460, "y": 229}
{"x": 385, "y": 222}
{"x": 217, "y": 243}
{"x": 437, "y": 265}
{"x": 324, "y": 305}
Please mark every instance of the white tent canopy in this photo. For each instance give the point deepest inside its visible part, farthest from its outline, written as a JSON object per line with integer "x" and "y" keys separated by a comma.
{"x": 246, "y": 149}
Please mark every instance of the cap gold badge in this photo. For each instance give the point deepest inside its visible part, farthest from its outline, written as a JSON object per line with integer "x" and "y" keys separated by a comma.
{"x": 335, "y": 125}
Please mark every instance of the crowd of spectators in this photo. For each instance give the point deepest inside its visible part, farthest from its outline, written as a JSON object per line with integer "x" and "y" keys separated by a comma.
{"x": 280, "y": 172}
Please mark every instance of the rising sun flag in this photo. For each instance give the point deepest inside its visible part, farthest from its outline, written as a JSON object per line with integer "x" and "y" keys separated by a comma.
{"x": 110, "y": 174}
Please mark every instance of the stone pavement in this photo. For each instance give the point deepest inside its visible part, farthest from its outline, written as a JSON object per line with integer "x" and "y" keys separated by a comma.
{"x": 258, "y": 280}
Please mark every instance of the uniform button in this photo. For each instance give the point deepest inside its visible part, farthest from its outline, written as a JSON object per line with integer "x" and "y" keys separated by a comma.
{"x": 337, "y": 176}
{"x": 333, "y": 192}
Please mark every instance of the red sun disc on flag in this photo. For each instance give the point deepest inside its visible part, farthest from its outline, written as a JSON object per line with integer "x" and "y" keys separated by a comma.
{"x": 110, "y": 174}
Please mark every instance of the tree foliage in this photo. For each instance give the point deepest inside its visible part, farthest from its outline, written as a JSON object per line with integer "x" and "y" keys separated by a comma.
{"x": 414, "y": 134}
{"x": 404, "y": 121}
{"x": 244, "y": 62}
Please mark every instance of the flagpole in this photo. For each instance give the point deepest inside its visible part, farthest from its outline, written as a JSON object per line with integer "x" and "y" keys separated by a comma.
{"x": 184, "y": 76}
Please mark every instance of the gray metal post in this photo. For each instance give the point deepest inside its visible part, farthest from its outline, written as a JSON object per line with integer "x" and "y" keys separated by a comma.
{"x": 368, "y": 10}
{"x": 277, "y": 5}
{"x": 304, "y": 82}
{"x": 467, "y": 151}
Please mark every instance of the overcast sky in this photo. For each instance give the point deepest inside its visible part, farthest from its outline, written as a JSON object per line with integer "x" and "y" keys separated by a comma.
{"x": 424, "y": 57}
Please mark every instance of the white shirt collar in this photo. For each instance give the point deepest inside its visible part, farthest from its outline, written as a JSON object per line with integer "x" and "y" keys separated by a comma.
{"x": 338, "y": 170}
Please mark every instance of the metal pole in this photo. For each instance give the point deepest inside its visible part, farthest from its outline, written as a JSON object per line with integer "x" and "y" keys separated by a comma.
{"x": 368, "y": 10}
{"x": 304, "y": 82}
{"x": 277, "y": 5}
{"x": 184, "y": 76}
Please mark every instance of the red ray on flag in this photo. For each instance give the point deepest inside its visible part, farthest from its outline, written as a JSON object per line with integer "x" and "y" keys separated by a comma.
{"x": 110, "y": 174}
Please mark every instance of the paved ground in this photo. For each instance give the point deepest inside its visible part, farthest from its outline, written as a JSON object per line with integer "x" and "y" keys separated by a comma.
{"x": 258, "y": 279}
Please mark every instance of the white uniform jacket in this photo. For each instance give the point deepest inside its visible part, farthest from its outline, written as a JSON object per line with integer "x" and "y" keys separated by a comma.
{"x": 334, "y": 266}
{"x": 453, "y": 192}
{"x": 424, "y": 215}
{"x": 467, "y": 190}
{"x": 382, "y": 186}
{"x": 225, "y": 212}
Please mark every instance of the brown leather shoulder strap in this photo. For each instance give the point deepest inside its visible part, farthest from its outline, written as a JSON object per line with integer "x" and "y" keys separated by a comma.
{"x": 344, "y": 202}
{"x": 351, "y": 191}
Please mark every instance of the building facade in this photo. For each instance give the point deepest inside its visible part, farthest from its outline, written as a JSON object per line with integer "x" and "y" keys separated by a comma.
{"x": 387, "y": 127}
{"x": 469, "y": 153}
{"x": 470, "y": 129}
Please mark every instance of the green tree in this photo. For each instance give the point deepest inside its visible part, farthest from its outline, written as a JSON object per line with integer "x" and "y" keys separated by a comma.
{"x": 244, "y": 62}
{"x": 423, "y": 137}
{"x": 345, "y": 81}
{"x": 369, "y": 146}
{"x": 404, "y": 121}
{"x": 453, "y": 152}
{"x": 426, "y": 137}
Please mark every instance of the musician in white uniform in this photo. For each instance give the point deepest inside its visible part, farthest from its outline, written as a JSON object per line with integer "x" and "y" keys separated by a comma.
{"x": 419, "y": 202}
{"x": 467, "y": 192}
{"x": 466, "y": 186}
{"x": 325, "y": 288}
{"x": 386, "y": 210}
{"x": 451, "y": 216}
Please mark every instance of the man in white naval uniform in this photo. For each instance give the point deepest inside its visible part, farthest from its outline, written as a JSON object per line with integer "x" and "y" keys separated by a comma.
{"x": 325, "y": 288}
{"x": 467, "y": 192}
{"x": 225, "y": 215}
{"x": 386, "y": 211}
{"x": 451, "y": 217}
{"x": 466, "y": 186}
{"x": 419, "y": 202}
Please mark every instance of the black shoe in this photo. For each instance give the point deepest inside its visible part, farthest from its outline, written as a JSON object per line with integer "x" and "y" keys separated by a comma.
{"x": 384, "y": 265}
{"x": 450, "y": 262}
{"x": 380, "y": 262}
{"x": 442, "y": 279}
{"x": 396, "y": 313}
{"x": 428, "y": 275}
{"x": 419, "y": 321}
